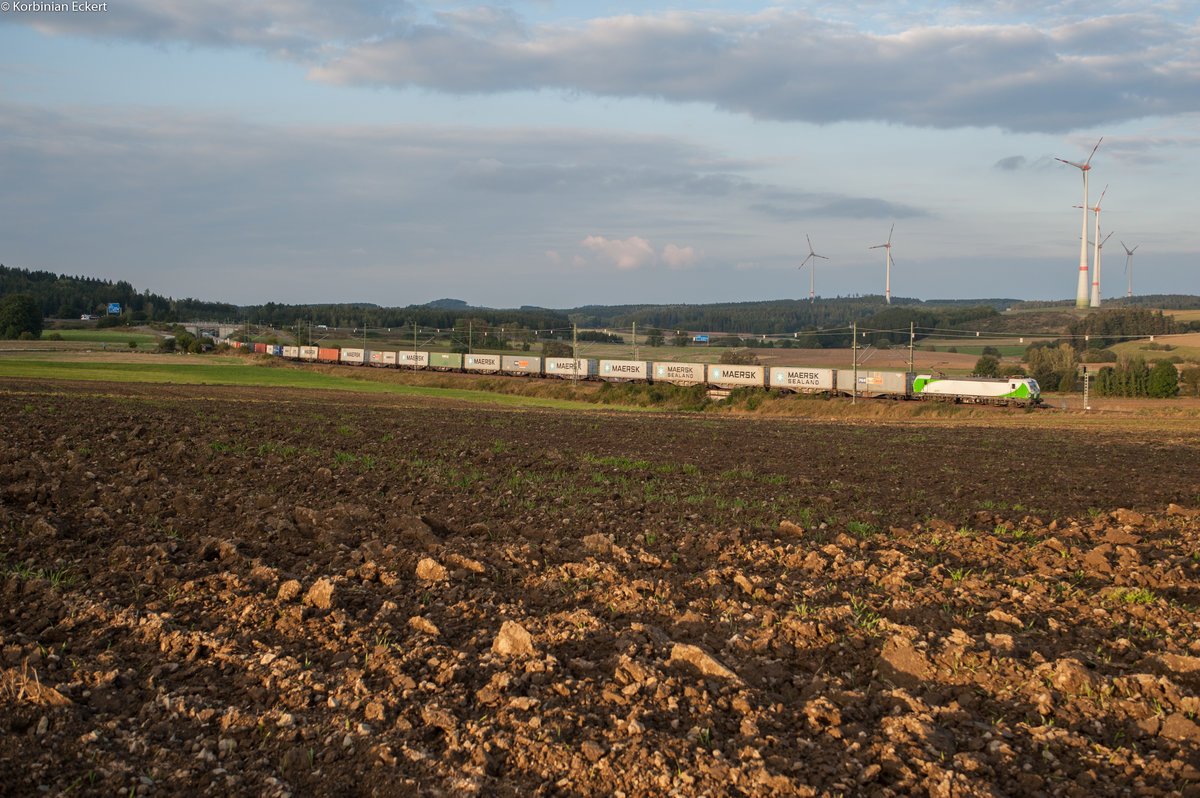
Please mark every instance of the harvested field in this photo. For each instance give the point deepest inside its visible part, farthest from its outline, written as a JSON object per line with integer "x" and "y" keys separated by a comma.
{"x": 265, "y": 592}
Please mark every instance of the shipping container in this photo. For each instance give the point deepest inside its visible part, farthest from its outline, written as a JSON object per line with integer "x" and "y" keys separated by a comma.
{"x": 308, "y": 353}
{"x": 260, "y": 349}
{"x": 874, "y": 383}
{"x": 291, "y": 352}
{"x": 445, "y": 361}
{"x": 327, "y": 355}
{"x": 520, "y": 364}
{"x": 377, "y": 357}
{"x": 411, "y": 359}
{"x": 570, "y": 368}
{"x": 621, "y": 370}
{"x": 485, "y": 363}
{"x": 275, "y": 349}
{"x": 801, "y": 379}
{"x": 353, "y": 357}
{"x": 737, "y": 376}
{"x": 678, "y": 373}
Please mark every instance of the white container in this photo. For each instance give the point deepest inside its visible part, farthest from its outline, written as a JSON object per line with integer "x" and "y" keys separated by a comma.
{"x": 621, "y": 370}
{"x": 411, "y": 359}
{"x": 801, "y": 379}
{"x": 484, "y": 363}
{"x": 678, "y": 373}
{"x": 291, "y": 352}
{"x": 737, "y": 376}
{"x": 874, "y": 383}
{"x": 570, "y": 368}
{"x": 308, "y": 352}
{"x": 378, "y": 357}
{"x": 353, "y": 357}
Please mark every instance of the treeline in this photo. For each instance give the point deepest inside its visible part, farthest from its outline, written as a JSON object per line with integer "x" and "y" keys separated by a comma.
{"x": 1103, "y": 328}
{"x": 1132, "y": 377}
{"x": 64, "y": 297}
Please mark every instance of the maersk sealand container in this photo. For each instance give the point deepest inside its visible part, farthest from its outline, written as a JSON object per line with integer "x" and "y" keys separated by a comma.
{"x": 678, "y": 373}
{"x": 801, "y": 379}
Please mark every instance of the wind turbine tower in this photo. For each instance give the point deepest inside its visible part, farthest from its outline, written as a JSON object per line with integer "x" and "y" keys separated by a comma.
{"x": 812, "y": 272}
{"x": 1081, "y": 294}
{"x": 888, "y": 273}
{"x": 1095, "y": 302}
{"x": 1129, "y": 264}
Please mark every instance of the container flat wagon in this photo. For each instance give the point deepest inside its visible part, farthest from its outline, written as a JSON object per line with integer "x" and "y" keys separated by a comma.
{"x": 327, "y": 355}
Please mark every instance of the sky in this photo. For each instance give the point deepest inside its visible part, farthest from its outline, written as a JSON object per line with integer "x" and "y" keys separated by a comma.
{"x": 562, "y": 154}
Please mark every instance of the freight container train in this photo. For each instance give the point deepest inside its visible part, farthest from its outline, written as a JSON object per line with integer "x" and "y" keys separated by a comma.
{"x": 1004, "y": 391}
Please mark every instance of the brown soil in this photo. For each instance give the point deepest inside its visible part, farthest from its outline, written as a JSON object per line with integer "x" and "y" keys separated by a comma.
{"x": 254, "y": 591}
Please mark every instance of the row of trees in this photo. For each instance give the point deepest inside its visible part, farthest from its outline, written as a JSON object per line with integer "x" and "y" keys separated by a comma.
{"x": 1132, "y": 377}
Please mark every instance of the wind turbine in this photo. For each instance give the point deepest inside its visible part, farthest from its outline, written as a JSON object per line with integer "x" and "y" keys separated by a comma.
{"x": 812, "y": 272}
{"x": 888, "y": 247}
{"x": 1081, "y": 294}
{"x": 1095, "y": 301}
{"x": 1129, "y": 264}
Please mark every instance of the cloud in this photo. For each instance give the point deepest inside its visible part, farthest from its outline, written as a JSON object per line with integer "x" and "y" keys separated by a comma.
{"x": 947, "y": 68}
{"x": 679, "y": 257}
{"x": 1010, "y": 164}
{"x": 632, "y": 253}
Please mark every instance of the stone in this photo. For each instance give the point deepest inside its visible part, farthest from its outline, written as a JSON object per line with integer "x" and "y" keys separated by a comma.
{"x": 428, "y": 570}
{"x": 320, "y": 595}
{"x": 902, "y": 665}
{"x": 787, "y": 529}
{"x": 702, "y": 661}
{"x": 424, "y": 625}
{"x": 289, "y": 590}
{"x": 513, "y": 640}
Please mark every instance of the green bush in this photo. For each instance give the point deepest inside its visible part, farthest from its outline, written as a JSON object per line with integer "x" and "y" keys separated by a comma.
{"x": 987, "y": 366}
{"x": 19, "y": 314}
{"x": 1164, "y": 380}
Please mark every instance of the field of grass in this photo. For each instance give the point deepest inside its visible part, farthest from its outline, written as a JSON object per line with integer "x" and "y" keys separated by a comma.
{"x": 242, "y": 372}
{"x": 119, "y": 337}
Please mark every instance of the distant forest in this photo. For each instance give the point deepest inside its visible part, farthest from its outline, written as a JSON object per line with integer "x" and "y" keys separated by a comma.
{"x": 823, "y": 323}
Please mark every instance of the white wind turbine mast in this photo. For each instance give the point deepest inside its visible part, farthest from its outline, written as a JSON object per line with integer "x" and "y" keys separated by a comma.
{"x": 1129, "y": 264}
{"x": 1095, "y": 301}
{"x": 1099, "y": 247}
{"x": 888, "y": 273}
{"x": 1081, "y": 294}
{"x": 812, "y": 272}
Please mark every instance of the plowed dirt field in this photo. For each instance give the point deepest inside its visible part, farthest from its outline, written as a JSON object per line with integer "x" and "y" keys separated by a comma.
{"x": 237, "y": 591}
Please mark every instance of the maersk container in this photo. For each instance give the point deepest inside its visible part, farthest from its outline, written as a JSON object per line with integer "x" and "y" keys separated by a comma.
{"x": 621, "y": 370}
{"x": 737, "y": 376}
{"x": 327, "y": 355}
{"x": 445, "y": 361}
{"x": 291, "y": 352}
{"x": 678, "y": 373}
{"x": 353, "y": 357}
{"x": 570, "y": 368}
{"x": 801, "y": 379}
{"x": 874, "y": 383}
{"x": 412, "y": 359}
{"x": 378, "y": 357}
{"x": 308, "y": 352}
{"x": 521, "y": 365}
{"x": 485, "y": 363}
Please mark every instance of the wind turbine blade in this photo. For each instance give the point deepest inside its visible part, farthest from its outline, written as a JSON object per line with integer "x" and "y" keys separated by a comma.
{"x": 1071, "y": 163}
{"x": 891, "y": 231}
{"x": 1089, "y": 160}
{"x": 1102, "y": 193}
